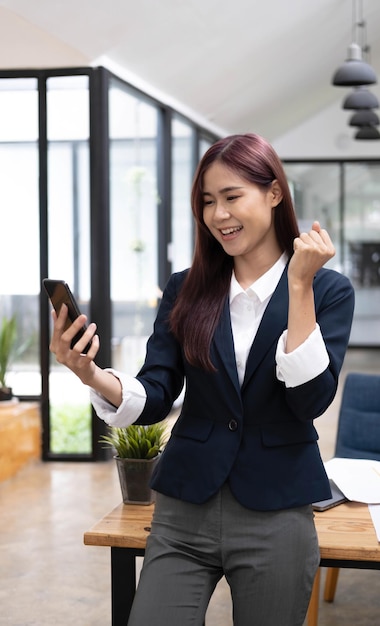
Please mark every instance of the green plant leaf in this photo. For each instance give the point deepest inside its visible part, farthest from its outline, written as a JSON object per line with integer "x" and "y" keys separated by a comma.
{"x": 137, "y": 441}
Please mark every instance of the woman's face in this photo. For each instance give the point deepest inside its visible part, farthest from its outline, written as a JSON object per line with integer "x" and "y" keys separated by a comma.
{"x": 240, "y": 215}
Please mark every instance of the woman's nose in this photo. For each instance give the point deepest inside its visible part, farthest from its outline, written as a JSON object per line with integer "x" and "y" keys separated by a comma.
{"x": 221, "y": 212}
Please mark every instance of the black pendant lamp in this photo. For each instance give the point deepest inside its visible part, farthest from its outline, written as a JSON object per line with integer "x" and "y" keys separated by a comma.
{"x": 365, "y": 117}
{"x": 367, "y": 132}
{"x": 354, "y": 71}
{"x": 360, "y": 98}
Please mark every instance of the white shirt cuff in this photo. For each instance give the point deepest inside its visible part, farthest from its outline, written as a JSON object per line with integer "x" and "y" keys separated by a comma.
{"x": 304, "y": 363}
{"x": 131, "y": 407}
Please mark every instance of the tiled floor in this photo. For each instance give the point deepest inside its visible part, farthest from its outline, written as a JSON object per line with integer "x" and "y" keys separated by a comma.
{"x": 49, "y": 578}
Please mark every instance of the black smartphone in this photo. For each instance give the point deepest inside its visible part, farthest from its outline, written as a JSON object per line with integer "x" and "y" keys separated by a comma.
{"x": 60, "y": 293}
{"x": 338, "y": 497}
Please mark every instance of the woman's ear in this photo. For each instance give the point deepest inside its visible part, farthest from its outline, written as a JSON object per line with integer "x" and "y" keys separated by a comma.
{"x": 276, "y": 192}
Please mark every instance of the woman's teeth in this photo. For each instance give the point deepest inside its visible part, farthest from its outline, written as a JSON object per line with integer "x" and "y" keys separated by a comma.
{"x": 229, "y": 231}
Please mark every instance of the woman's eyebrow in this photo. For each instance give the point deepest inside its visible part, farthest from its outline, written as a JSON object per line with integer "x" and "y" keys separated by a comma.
{"x": 224, "y": 190}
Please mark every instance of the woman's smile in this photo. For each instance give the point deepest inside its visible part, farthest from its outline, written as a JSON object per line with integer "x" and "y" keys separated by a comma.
{"x": 230, "y": 233}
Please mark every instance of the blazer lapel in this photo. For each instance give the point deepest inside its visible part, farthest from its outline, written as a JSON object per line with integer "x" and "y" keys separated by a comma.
{"x": 273, "y": 323}
{"x": 223, "y": 344}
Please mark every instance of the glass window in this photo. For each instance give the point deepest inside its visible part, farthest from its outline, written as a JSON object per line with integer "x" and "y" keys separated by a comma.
{"x": 133, "y": 207}
{"x": 344, "y": 197}
{"x": 69, "y": 245}
{"x": 315, "y": 189}
{"x": 182, "y": 174}
{"x": 20, "y": 249}
{"x": 362, "y": 242}
{"x": 204, "y": 145}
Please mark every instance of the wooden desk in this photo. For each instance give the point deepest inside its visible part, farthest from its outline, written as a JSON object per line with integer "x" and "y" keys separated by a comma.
{"x": 346, "y": 536}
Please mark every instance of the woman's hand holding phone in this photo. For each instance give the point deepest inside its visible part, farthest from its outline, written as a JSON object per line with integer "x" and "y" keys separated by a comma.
{"x": 83, "y": 364}
{"x": 76, "y": 345}
{"x": 72, "y": 355}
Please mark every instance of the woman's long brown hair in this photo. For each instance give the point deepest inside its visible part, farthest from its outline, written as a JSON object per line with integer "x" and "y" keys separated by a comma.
{"x": 198, "y": 307}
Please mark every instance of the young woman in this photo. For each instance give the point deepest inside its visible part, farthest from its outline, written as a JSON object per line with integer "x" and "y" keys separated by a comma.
{"x": 258, "y": 330}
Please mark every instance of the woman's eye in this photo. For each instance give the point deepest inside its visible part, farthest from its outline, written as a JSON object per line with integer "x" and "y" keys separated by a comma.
{"x": 229, "y": 198}
{"x": 207, "y": 202}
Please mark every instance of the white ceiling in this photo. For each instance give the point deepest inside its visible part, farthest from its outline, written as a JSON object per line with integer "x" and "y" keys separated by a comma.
{"x": 242, "y": 65}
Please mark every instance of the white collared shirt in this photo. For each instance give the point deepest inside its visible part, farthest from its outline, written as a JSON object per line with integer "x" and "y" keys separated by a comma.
{"x": 247, "y": 308}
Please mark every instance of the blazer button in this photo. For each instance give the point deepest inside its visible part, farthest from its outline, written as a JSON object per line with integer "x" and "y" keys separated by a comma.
{"x": 232, "y": 425}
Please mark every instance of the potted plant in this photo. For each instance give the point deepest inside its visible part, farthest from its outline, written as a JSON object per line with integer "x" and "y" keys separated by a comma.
{"x": 138, "y": 450}
{"x": 7, "y": 351}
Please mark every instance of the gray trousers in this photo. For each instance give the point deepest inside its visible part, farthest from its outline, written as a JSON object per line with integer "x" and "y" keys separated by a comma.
{"x": 269, "y": 560}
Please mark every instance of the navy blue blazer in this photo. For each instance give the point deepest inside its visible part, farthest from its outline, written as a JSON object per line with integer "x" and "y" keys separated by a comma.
{"x": 260, "y": 437}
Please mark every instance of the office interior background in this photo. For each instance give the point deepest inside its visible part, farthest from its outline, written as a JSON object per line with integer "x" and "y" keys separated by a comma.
{"x": 105, "y": 109}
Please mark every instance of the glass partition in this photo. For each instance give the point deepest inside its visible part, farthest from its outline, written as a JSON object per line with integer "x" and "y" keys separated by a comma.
{"x": 182, "y": 174}
{"x": 315, "y": 189}
{"x": 345, "y": 198}
{"x": 362, "y": 244}
{"x": 133, "y": 209}
{"x": 69, "y": 245}
{"x": 20, "y": 245}
{"x": 204, "y": 145}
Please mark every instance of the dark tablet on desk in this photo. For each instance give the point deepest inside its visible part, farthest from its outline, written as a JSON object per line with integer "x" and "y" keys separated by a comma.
{"x": 337, "y": 498}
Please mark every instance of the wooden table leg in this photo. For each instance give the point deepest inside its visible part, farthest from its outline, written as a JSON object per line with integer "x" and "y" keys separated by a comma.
{"x": 331, "y": 582}
{"x": 312, "y": 612}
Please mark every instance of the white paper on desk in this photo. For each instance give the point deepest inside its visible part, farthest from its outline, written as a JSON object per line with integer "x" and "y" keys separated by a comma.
{"x": 374, "y": 509}
{"x": 359, "y": 479}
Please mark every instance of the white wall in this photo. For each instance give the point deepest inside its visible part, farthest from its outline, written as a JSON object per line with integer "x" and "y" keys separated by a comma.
{"x": 22, "y": 45}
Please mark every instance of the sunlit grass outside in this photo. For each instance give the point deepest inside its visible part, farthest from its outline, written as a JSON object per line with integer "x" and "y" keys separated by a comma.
{"x": 70, "y": 428}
